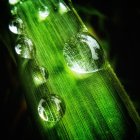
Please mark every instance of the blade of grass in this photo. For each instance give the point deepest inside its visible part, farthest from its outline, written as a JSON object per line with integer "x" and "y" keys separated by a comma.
{"x": 97, "y": 106}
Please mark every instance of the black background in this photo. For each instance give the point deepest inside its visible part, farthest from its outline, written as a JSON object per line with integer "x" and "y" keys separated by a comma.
{"x": 121, "y": 28}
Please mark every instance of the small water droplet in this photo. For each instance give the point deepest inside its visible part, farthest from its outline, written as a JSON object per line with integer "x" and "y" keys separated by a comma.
{"x": 14, "y": 10}
{"x": 25, "y": 48}
{"x": 13, "y": 2}
{"x": 51, "y": 109}
{"x": 63, "y": 8}
{"x": 43, "y": 12}
{"x": 83, "y": 54}
{"x": 40, "y": 75}
{"x": 16, "y": 26}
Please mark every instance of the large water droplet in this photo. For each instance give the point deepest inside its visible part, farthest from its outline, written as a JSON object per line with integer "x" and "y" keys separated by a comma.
{"x": 83, "y": 54}
{"x": 40, "y": 75}
{"x": 16, "y": 26}
{"x": 43, "y": 12}
{"x": 25, "y": 48}
{"x": 51, "y": 109}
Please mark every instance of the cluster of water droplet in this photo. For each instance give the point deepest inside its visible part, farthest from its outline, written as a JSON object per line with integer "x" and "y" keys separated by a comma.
{"x": 56, "y": 5}
{"x": 51, "y": 108}
{"x": 82, "y": 53}
{"x": 24, "y": 46}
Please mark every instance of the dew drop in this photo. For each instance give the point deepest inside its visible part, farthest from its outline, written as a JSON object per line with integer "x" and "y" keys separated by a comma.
{"x": 40, "y": 75}
{"x": 13, "y": 2}
{"x": 83, "y": 54}
{"x": 63, "y": 8}
{"x": 25, "y": 48}
{"x": 51, "y": 109}
{"x": 14, "y": 10}
{"x": 16, "y": 26}
{"x": 43, "y": 12}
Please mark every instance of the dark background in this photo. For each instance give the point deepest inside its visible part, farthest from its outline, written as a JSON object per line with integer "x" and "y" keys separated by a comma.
{"x": 116, "y": 22}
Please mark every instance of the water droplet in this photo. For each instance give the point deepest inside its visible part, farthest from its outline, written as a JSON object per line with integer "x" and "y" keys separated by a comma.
{"x": 14, "y": 10}
{"x": 25, "y": 48}
{"x": 13, "y": 2}
{"x": 40, "y": 75}
{"x": 63, "y": 8}
{"x": 51, "y": 109}
{"x": 16, "y": 26}
{"x": 83, "y": 54}
{"x": 43, "y": 12}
